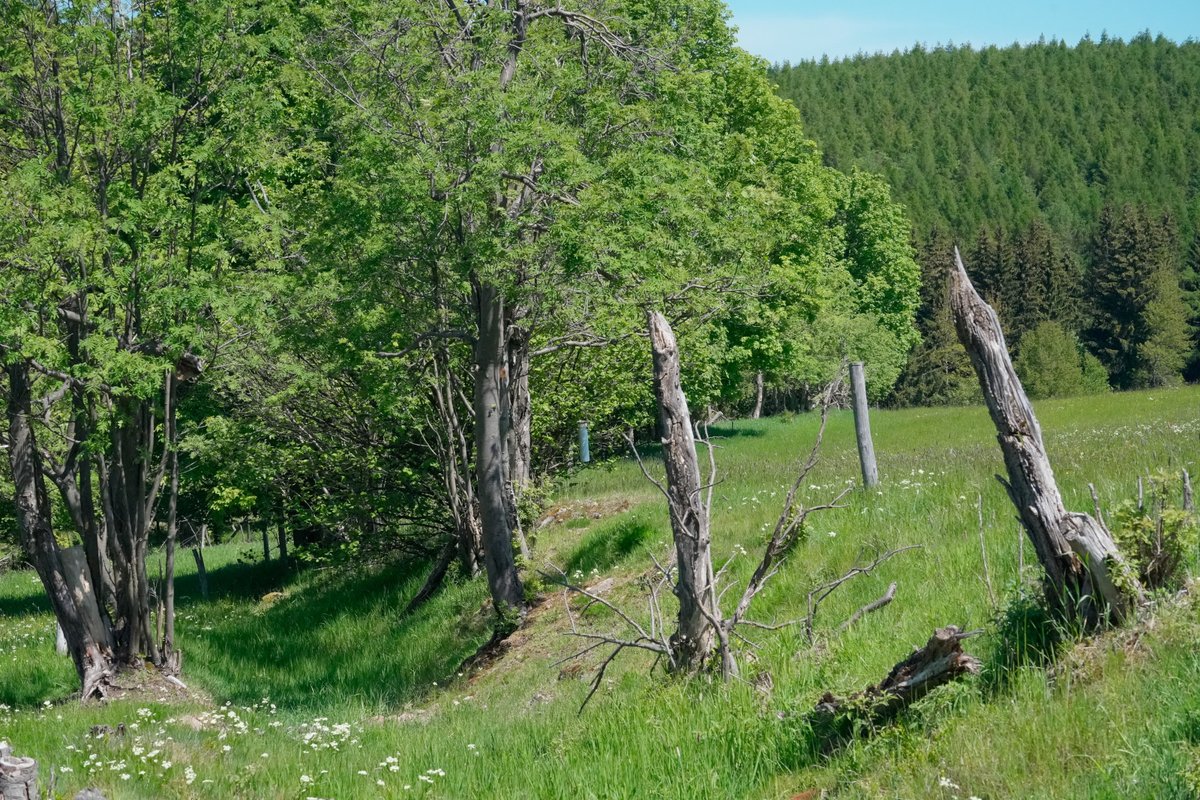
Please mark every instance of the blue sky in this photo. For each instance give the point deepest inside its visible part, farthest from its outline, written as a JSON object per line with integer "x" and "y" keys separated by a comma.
{"x": 804, "y": 29}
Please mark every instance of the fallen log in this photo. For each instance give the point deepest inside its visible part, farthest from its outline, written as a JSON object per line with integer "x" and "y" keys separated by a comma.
{"x": 940, "y": 661}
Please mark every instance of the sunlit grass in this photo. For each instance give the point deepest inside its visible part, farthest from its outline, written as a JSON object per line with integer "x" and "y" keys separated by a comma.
{"x": 377, "y": 693}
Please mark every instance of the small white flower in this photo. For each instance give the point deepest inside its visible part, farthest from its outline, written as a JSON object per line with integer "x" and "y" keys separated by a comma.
{"x": 125, "y": 776}
{"x": 305, "y": 779}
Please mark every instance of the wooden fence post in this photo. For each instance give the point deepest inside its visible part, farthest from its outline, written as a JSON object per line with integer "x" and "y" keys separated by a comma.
{"x": 862, "y": 426}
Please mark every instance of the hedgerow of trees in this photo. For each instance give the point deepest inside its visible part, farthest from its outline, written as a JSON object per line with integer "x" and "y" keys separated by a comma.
{"x": 352, "y": 272}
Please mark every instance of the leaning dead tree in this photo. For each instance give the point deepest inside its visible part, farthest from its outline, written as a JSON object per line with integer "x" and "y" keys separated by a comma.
{"x": 1086, "y": 576}
{"x": 702, "y": 634}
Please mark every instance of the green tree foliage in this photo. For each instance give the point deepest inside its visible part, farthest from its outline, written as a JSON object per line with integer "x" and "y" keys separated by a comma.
{"x": 1138, "y": 326}
{"x": 938, "y": 371}
{"x": 1052, "y": 363}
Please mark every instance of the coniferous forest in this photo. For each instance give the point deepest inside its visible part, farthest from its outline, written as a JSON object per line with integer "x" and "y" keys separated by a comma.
{"x": 1067, "y": 174}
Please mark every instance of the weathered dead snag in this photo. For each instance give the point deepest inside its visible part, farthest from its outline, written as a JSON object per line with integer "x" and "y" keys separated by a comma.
{"x": 940, "y": 661}
{"x": 689, "y": 504}
{"x": 1086, "y": 576}
{"x": 702, "y": 636}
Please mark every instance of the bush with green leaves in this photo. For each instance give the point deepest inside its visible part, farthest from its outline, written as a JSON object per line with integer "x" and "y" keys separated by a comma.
{"x": 1052, "y": 363}
{"x": 1159, "y": 536}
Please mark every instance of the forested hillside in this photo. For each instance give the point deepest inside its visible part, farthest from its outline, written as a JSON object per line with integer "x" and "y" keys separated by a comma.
{"x": 1035, "y": 159}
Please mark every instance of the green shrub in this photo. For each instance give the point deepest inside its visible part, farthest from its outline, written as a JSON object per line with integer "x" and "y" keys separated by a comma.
{"x": 1051, "y": 363}
{"x": 1157, "y": 536}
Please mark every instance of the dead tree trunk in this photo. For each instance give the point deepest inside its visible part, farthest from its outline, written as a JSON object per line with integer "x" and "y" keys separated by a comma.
{"x": 491, "y": 428}
{"x": 66, "y": 578}
{"x": 940, "y": 661}
{"x": 1085, "y": 573}
{"x": 436, "y": 576}
{"x": 699, "y": 615}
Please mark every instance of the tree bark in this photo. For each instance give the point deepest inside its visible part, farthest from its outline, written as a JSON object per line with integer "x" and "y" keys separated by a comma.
{"x": 169, "y": 654}
{"x": 520, "y": 432}
{"x": 1086, "y": 576}
{"x": 699, "y": 615}
{"x": 491, "y": 428}
{"x": 67, "y": 579}
{"x": 940, "y": 661}
{"x": 283, "y": 543}
{"x": 18, "y": 778}
{"x": 758, "y": 396}
{"x": 436, "y": 576}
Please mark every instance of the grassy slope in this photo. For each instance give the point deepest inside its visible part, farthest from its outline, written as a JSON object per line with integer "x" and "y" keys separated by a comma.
{"x": 353, "y": 684}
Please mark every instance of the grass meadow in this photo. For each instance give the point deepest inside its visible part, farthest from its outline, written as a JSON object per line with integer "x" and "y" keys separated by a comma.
{"x": 329, "y": 691}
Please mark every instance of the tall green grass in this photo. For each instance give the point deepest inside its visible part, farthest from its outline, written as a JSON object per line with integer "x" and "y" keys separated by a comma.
{"x": 332, "y": 679}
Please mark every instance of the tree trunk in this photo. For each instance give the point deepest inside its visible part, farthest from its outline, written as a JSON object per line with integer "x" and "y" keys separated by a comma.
{"x": 18, "y": 776}
{"x": 491, "y": 428}
{"x": 699, "y": 615}
{"x": 266, "y": 541}
{"x": 452, "y": 448}
{"x": 67, "y": 579}
{"x": 520, "y": 432}
{"x": 201, "y": 572}
{"x": 436, "y": 576}
{"x": 1086, "y": 575}
{"x": 169, "y": 654}
{"x": 283, "y": 543}
{"x": 758, "y": 396}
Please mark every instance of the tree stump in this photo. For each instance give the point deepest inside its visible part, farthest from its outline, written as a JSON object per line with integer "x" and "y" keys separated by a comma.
{"x": 18, "y": 776}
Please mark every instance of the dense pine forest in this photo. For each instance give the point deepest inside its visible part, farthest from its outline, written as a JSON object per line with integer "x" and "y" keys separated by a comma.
{"x": 1068, "y": 175}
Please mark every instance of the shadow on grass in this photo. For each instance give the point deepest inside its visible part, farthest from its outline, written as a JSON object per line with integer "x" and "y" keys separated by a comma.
{"x": 343, "y": 639}
{"x": 34, "y": 601}
{"x": 609, "y": 545}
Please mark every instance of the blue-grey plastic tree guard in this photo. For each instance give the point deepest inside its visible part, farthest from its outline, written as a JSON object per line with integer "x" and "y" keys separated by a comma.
{"x": 585, "y": 453}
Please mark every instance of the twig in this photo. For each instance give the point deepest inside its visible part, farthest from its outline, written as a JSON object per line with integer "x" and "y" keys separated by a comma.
{"x": 987, "y": 575}
{"x": 821, "y": 593}
{"x": 874, "y": 605}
